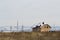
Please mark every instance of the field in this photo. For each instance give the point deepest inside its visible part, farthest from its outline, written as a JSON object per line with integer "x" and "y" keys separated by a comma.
{"x": 29, "y": 35}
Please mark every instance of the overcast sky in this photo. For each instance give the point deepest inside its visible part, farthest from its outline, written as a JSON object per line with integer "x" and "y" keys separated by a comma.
{"x": 29, "y": 12}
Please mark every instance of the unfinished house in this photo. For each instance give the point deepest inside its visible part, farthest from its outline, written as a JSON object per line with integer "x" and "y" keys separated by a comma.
{"x": 45, "y": 27}
{"x": 42, "y": 28}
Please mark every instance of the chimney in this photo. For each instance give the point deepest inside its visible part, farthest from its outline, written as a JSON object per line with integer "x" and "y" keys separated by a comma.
{"x": 42, "y": 22}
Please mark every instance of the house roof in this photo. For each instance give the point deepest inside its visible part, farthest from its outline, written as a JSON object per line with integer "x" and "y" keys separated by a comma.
{"x": 36, "y": 27}
{"x": 46, "y": 25}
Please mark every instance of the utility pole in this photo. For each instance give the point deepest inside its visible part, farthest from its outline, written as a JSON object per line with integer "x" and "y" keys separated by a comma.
{"x": 22, "y": 25}
{"x": 22, "y": 28}
{"x": 17, "y": 25}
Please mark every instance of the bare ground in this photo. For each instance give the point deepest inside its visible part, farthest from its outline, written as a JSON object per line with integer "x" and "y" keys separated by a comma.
{"x": 30, "y": 36}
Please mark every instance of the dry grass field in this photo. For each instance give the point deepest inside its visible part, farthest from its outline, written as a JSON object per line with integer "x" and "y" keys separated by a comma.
{"x": 30, "y": 36}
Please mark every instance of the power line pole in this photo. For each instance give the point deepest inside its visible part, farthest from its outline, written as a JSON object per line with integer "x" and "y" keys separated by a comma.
{"x": 22, "y": 25}
{"x": 17, "y": 25}
{"x": 22, "y": 28}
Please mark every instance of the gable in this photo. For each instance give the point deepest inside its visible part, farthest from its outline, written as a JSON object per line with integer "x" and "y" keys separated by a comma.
{"x": 45, "y": 26}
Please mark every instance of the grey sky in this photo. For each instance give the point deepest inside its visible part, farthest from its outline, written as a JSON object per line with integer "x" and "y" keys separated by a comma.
{"x": 29, "y": 12}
